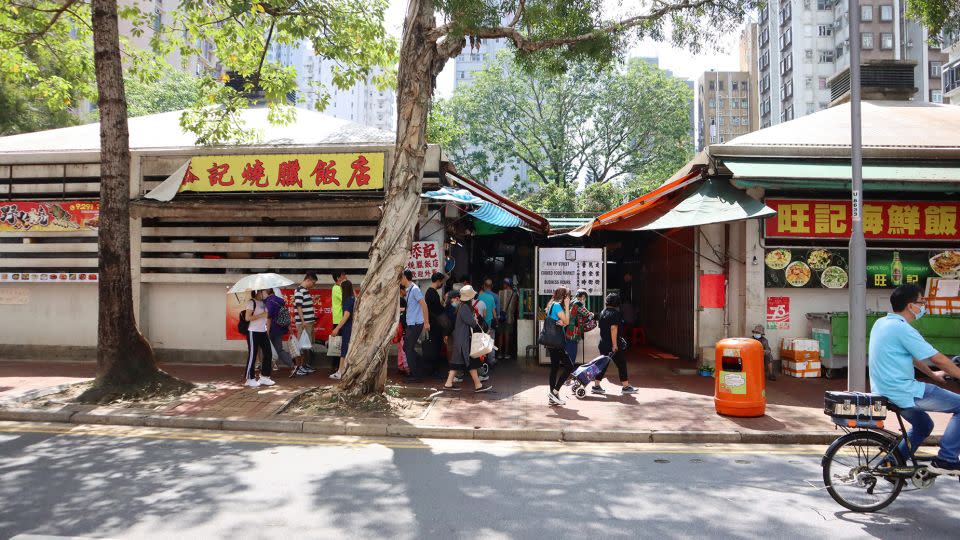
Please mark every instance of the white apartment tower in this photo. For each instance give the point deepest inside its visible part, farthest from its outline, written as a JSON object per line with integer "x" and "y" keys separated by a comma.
{"x": 803, "y": 44}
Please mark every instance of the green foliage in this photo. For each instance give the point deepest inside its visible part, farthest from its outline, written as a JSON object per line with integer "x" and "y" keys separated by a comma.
{"x": 175, "y": 90}
{"x": 626, "y": 125}
{"x": 938, "y": 16}
{"x": 45, "y": 69}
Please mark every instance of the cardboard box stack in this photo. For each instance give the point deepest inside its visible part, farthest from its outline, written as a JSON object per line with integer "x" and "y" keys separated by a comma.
{"x": 800, "y": 357}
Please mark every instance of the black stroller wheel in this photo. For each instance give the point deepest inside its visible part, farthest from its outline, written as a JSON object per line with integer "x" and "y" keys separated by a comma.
{"x": 484, "y": 369}
{"x": 581, "y": 392}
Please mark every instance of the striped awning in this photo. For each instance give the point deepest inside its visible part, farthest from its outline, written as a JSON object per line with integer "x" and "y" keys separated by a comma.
{"x": 485, "y": 211}
{"x": 453, "y": 195}
{"x": 495, "y": 215}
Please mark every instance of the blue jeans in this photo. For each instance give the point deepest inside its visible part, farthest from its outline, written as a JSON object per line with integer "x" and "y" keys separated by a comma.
{"x": 572, "y": 346}
{"x": 934, "y": 399}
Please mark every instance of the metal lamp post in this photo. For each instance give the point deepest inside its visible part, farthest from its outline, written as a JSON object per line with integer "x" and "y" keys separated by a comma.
{"x": 857, "y": 332}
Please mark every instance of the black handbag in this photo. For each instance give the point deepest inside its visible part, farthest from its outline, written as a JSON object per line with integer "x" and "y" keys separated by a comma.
{"x": 551, "y": 335}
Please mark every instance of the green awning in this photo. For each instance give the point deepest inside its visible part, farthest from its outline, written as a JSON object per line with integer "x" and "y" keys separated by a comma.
{"x": 784, "y": 171}
{"x": 712, "y": 201}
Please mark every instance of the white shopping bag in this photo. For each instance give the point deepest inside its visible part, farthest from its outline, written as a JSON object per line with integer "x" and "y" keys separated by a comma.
{"x": 481, "y": 344}
{"x": 333, "y": 346}
{"x": 304, "y": 340}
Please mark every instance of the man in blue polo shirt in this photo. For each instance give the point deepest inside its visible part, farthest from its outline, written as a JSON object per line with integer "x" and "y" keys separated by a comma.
{"x": 895, "y": 349}
{"x": 418, "y": 321}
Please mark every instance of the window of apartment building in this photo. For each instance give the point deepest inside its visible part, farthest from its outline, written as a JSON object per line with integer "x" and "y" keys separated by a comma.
{"x": 785, "y": 13}
{"x": 886, "y": 13}
{"x": 713, "y": 138}
{"x": 765, "y": 83}
{"x": 825, "y": 30}
{"x": 822, "y": 83}
{"x": 786, "y": 64}
{"x": 734, "y": 85}
{"x": 460, "y": 74}
{"x": 866, "y": 13}
{"x": 808, "y": 83}
{"x": 810, "y": 108}
{"x": 808, "y": 55}
{"x": 744, "y": 103}
{"x": 735, "y": 120}
{"x": 823, "y": 105}
{"x": 764, "y": 12}
{"x": 866, "y": 40}
{"x": 734, "y": 103}
{"x": 786, "y": 39}
{"x": 826, "y": 56}
{"x": 824, "y": 5}
{"x": 764, "y": 59}
{"x": 935, "y": 68}
{"x": 886, "y": 41}
{"x": 720, "y": 103}
{"x": 763, "y": 37}
{"x": 721, "y": 121}
{"x": 713, "y": 85}
{"x": 713, "y": 104}
{"x": 788, "y": 113}
{"x": 936, "y": 96}
{"x": 788, "y": 90}
{"x": 720, "y": 85}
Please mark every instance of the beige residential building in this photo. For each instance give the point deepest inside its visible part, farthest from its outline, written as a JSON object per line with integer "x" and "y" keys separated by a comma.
{"x": 723, "y": 106}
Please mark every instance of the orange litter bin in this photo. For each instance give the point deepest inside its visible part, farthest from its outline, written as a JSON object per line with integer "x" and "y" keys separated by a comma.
{"x": 740, "y": 386}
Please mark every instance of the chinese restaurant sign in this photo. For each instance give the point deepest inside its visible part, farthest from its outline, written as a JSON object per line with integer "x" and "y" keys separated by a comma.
{"x": 74, "y": 216}
{"x": 424, "y": 259}
{"x": 883, "y": 219}
{"x": 825, "y": 267}
{"x": 284, "y": 172}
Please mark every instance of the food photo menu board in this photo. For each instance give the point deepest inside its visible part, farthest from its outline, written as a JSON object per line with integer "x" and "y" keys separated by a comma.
{"x": 828, "y": 268}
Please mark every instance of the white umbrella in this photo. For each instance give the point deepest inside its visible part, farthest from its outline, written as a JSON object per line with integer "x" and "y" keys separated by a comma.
{"x": 258, "y": 282}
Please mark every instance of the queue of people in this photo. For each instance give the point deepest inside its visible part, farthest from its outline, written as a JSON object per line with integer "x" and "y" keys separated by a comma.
{"x": 443, "y": 322}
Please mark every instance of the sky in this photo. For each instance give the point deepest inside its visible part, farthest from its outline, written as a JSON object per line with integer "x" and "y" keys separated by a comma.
{"x": 723, "y": 56}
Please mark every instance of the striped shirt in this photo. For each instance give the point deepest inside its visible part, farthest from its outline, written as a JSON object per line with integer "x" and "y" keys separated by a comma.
{"x": 302, "y": 299}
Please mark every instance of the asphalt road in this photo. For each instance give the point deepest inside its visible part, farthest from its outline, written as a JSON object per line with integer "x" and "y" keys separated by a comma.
{"x": 104, "y": 482}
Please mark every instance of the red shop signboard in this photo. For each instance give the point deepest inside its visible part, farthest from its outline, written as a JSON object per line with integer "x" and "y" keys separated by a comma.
{"x": 881, "y": 219}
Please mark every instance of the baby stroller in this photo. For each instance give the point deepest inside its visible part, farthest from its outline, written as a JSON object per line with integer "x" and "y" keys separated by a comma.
{"x": 587, "y": 373}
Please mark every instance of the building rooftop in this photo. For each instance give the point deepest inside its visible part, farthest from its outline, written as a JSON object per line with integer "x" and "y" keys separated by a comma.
{"x": 891, "y": 130}
{"x": 163, "y": 131}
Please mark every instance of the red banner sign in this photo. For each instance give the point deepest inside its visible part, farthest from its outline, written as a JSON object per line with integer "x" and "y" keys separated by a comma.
{"x": 883, "y": 220}
{"x": 73, "y": 216}
{"x": 778, "y": 312}
{"x": 321, "y": 303}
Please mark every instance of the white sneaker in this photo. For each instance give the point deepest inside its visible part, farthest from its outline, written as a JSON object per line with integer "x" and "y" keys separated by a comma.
{"x": 335, "y": 376}
{"x": 252, "y": 383}
{"x": 555, "y": 399}
{"x": 266, "y": 381}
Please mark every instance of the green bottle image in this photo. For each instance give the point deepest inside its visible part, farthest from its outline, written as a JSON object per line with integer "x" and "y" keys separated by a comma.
{"x": 896, "y": 270}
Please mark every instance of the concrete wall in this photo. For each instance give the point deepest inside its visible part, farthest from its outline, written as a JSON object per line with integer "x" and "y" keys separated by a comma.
{"x": 182, "y": 316}
{"x": 56, "y": 314}
{"x": 803, "y": 301}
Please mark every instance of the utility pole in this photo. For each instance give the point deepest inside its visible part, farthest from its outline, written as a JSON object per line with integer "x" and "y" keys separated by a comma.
{"x": 857, "y": 332}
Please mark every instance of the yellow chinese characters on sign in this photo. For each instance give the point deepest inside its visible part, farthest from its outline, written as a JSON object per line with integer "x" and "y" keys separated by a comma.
{"x": 830, "y": 218}
{"x": 361, "y": 171}
{"x": 940, "y": 220}
{"x": 794, "y": 218}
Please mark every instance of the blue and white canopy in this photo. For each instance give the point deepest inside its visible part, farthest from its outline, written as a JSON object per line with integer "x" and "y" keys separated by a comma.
{"x": 485, "y": 211}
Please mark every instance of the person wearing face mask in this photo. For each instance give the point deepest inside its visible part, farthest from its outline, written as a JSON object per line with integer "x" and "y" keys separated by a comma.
{"x": 896, "y": 348}
{"x": 767, "y": 351}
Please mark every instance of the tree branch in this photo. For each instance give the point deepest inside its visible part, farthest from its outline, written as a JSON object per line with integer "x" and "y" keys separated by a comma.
{"x": 527, "y": 45}
{"x": 57, "y": 13}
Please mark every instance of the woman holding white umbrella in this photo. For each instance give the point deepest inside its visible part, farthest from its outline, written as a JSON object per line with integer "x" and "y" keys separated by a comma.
{"x": 258, "y": 339}
{"x": 257, "y": 323}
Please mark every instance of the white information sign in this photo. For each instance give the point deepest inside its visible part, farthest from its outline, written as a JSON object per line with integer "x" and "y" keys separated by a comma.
{"x": 573, "y": 268}
{"x": 425, "y": 259}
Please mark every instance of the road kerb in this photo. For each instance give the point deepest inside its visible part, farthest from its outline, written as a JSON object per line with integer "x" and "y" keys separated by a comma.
{"x": 429, "y": 432}
{"x": 35, "y": 415}
{"x": 521, "y": 434}
{"x": 278, "y": 426}
{"x": 109, "y": 418}
{"x": 580, "y": 435}
{"x": 184, "y": 422}
{"x": 696, "y": 437}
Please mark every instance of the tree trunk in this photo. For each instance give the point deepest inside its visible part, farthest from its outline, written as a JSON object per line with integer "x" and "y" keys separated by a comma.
{"x": 125, "y": 361}
{"x": 378, "y": 306}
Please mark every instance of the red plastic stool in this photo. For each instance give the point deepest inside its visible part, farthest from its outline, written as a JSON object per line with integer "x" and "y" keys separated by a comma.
{"x": 638, "y": 336}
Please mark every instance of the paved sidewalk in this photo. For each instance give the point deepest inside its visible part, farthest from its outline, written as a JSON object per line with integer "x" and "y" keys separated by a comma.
{"x": 673, "y": 404}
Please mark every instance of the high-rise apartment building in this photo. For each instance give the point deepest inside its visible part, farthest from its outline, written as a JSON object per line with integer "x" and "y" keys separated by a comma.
{"x": 362, "y": 103}
{"x": 803, "y": 44}
{"x": 723, "y": 106}
{"x": 950, "y": 44}
{"x": 466, "y": 65}
{"x": 749, "y": 58}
